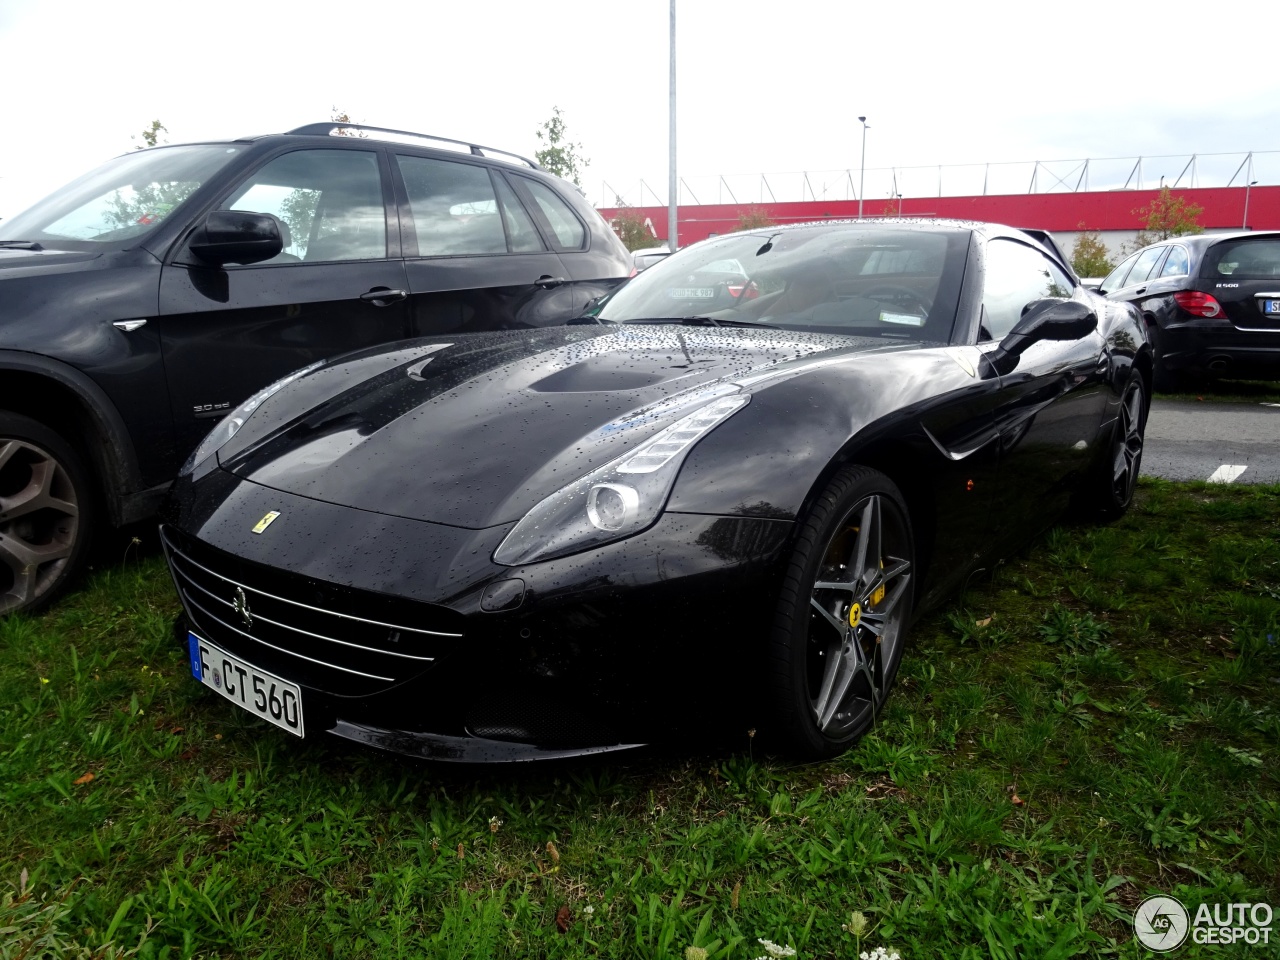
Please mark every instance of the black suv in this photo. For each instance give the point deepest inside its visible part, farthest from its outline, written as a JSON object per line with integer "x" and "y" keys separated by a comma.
{"x": 146, "y": 299}
{"x": 1211, "y": 303}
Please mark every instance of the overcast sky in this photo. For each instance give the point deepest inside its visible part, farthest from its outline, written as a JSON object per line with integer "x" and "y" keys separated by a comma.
{"x": 763, "y": 86}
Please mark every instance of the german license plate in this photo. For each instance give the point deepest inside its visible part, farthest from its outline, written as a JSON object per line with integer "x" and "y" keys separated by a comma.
{"x": 1271, "y": 308}
{"x": 269, "y": 697}
{"x": 692, "y": 293}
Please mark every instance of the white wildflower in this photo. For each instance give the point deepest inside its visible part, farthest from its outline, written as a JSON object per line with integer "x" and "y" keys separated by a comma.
{"x": 879, "y": 953}
{"x": 588, "y": 910}
{"x": 775, "y": 952}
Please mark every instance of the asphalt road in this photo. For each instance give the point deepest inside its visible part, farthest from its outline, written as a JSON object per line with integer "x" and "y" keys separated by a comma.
{"x": 1225, "y": 442}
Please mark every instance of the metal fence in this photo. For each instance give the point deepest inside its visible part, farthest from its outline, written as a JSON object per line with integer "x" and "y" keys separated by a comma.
{"x": 958, "y": 180}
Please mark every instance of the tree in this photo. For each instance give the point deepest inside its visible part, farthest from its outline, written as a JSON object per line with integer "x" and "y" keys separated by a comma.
{"x": 150, "y": 136}
{"x": 560, "y": 156}
{"x": 1089, "y": 255}
{"x": 341, "y": 116}
{"x": 632, "y": 229}
{"x": 753, "y": 218}
{"x": 1168, "y": 216}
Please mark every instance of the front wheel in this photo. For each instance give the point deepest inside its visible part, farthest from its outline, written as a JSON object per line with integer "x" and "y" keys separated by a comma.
{"x": 1108, "y": 493}
{"x": 45, "y": 514}
{"x": 842, "y": 615}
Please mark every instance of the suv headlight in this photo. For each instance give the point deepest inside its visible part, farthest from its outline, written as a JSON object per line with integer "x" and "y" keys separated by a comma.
{"x": 616, "y": 500}
{"x": 229, "y": 425}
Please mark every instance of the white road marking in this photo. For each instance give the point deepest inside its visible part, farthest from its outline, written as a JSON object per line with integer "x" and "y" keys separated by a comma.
{"x": 1226, "y": 473}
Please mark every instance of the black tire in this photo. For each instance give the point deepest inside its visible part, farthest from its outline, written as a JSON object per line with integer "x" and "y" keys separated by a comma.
{"x": 841, "y": 623}
{"x": 1108, "y": 492}
{"x": 47, "y": 512}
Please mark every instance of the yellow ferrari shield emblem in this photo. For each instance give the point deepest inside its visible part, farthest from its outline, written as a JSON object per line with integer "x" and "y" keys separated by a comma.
{"x": 266, "y": 521}
{"x": 855, "y": 615}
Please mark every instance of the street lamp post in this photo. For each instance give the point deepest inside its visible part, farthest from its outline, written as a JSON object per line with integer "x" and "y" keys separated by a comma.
{"x": 862, "y": 170}
{"x": 1244, "y": 224}
{"x": 673, "y": 184}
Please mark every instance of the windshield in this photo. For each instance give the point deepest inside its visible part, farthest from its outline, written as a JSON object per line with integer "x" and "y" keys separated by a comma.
{"x": 868, "y": 279}
{"x": 120, "y": 201}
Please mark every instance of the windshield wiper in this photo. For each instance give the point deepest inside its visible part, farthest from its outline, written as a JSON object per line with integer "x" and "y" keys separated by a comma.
{"x": 20, "y": 245}
{"x": 704, "y": 322}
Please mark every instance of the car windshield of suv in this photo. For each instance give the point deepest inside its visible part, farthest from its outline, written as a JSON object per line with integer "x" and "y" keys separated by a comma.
{"x": 1250, "y": 259}
{"x": 860, "y": 279}
{"x": 120, "y": 201}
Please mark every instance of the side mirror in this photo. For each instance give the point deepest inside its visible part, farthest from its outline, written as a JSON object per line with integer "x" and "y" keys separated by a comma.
{"x": 234, "y": 236}
{"x": 1043, "y": 320}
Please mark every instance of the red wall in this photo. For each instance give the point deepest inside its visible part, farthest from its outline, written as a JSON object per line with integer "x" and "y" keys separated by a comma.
{"x": 1062, "y": 212}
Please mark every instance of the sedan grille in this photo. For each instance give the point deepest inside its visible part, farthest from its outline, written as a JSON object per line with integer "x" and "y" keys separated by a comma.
{"x": 322, "y": 635}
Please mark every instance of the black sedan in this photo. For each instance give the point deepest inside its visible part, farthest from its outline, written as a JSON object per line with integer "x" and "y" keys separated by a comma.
{"x": 1211, "y": 304}
{"x": 575, "y": 539}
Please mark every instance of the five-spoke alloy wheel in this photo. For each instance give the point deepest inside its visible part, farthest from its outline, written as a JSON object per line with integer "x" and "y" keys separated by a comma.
{"x": 843, "y": 612}
{"x": 44, "y": 506}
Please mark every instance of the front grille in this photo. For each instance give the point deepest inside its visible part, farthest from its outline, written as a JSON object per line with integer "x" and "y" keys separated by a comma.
{"x": 322, "y": 635}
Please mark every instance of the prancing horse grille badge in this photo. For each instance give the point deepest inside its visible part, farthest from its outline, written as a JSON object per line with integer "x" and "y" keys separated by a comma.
{"x": 242, "y": 607}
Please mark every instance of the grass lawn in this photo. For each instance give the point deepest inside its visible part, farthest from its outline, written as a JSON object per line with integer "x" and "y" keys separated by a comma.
{"x": 1230, "y": 391}
{"x": 1096, "y": 722}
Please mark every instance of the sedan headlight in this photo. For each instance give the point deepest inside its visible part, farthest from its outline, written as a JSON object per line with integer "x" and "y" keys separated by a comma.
{"x": 616, "y": 500}
{"x": 229, "y": 425}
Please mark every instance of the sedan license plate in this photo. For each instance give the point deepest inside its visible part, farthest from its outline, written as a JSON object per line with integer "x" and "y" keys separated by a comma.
{"x": 1271, "y": 308}
{"x": 271, "y": 698}
{"x": 692, "y": 293}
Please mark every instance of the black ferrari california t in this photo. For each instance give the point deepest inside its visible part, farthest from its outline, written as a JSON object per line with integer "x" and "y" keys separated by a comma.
{"x": 692, "y": 507}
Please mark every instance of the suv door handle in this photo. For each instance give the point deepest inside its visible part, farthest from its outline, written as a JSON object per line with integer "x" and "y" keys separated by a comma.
{"x": 381, "y": 296}
{"x": 546, "y": 281}
{"x": 1139, "y": 291}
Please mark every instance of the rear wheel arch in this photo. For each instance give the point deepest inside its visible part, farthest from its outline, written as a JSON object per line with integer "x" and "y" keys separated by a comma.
{"x": 73, "y": 406}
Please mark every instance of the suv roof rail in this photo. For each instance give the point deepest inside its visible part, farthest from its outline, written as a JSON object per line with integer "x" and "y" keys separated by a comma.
{"x": 476, "y": 149}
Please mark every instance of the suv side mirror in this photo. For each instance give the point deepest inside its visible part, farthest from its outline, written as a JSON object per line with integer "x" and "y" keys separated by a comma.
{"x": 235, "y": 236}
{"x": 1043, "y": 320}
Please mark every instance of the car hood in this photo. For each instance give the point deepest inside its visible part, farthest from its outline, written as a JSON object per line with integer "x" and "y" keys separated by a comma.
{"x": 21, "y": 260}
{"x": 472, "y": 431}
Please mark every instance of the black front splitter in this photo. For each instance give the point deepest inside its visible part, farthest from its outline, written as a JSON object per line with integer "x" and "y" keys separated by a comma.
{"x": 434, "y": 746}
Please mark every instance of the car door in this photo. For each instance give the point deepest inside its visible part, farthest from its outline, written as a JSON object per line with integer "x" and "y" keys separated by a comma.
{"x": 1050, "y": 406}
{"x": 1146, "y": 264}
{"x": 594, "y": 259}
{"x": 338, "y": 285}
{"x": 474, "y": 257}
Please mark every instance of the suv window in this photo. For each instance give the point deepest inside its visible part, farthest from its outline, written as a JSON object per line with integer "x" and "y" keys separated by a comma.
{"x": 1178, "y": 263}
{"x": 567, "y": 227}
{"x": 1243, "y": 258}
{"x": 522, "y": 235}
{"x": 120, "y": 201}
{"x": 1015, "y": 276}
{"x": 455, "y": 209}
{"x": 328, "y": 202}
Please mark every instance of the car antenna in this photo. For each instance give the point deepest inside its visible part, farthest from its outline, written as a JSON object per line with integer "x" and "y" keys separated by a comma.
{"x": 768, "y": 245}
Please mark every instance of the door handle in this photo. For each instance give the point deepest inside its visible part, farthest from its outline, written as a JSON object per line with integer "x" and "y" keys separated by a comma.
{"x": 1139, "y": 291}
{"x": 381, "y": 296}
{"x": 546, "y": 281}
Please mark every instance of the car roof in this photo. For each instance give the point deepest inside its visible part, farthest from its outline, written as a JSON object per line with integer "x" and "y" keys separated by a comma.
{"x": 1199, "y": 240}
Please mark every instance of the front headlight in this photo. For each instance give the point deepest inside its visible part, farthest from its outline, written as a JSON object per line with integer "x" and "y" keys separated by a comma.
{"x": 229, "y": 425}
{"x": 616, "y": 500}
